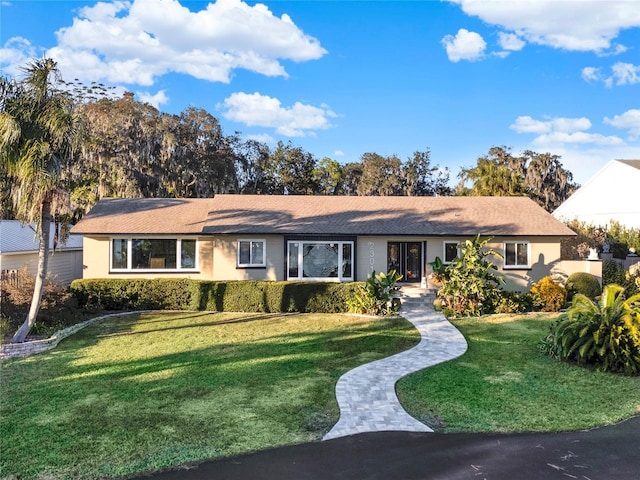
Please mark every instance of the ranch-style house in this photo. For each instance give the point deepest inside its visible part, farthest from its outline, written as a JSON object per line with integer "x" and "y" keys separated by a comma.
{"x": 314, "y": 238}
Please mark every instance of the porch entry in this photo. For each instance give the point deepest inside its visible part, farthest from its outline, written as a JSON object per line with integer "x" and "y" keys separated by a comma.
{"x": 406, "y": 259}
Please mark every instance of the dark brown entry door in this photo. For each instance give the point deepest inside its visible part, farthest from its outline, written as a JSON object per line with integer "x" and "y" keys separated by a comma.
{"x": 406, "y": 259}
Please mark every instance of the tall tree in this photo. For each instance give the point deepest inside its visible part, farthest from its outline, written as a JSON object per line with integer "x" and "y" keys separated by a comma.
{"x": 329, "y": 176}
{"x": 37, "y": 134}
{"x": 498, "y": 174}
{"x": 380, "y": 175}
{"x": 540, "y": 176}
{"x": 420, "y": 178}
{"x": 289, "y": 171}
{"x": 549, "y": 183}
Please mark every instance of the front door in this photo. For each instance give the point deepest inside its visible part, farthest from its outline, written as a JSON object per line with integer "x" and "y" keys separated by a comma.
{"x": 406, "y": 259}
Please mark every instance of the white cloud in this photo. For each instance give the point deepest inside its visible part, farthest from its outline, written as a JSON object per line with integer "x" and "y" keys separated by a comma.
{"x": 157, "y": 99}
{"x": 592, "y": 74}
{"x": 339, "y": 153}
{"x": 581, "y": 25}
{"x": 629, "y": 120}
{"x": 262, "y": 138}
{"x": 621, "y": 74}
{"x": 264, "y": 111}
{"x": 465, "y": 45}
{"x": 559, "y": 138}
{"x": 626, "y": 73}
{"x": 15, "y": 54}
{"x": 510, "y": 41}
{"x": 560, "y": 131}
{"x": 527, "y": 124}
{"x": 135, "y": 42}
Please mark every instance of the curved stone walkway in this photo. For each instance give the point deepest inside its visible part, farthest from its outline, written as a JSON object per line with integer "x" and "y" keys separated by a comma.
{"x": 366, "y": 395}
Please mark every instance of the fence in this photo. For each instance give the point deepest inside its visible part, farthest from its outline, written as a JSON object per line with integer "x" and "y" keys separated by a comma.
{"x": 11, "y": 277}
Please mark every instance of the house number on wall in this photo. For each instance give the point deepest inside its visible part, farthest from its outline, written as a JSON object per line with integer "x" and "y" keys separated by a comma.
{"x": 372, "y": 256}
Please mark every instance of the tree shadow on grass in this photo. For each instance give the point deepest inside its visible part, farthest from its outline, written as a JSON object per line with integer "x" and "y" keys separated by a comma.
{"x": 130, "y": 404}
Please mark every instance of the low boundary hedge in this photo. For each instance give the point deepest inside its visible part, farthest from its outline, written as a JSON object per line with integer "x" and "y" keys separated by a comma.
{"x": 232, "y": 296}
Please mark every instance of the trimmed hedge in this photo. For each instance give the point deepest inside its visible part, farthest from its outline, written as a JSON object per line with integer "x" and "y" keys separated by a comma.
{"x": 232, "y": 296}
{"x": 584, "y": 283}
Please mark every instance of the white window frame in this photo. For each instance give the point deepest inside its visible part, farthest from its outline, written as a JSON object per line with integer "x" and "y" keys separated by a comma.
{"x": 253, "y": 263}
{"x": 516, "y": 243}
{"x": 444, "y": 250}
{"x": 129, "y": 267}
{"x": 339, "y": 278}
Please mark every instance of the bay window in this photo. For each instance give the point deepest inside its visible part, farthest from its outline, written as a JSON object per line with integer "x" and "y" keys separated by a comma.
{"x": 320, "y": 260}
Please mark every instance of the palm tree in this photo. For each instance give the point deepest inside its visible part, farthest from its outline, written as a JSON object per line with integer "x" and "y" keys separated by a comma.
{"x": 37, "y": 131}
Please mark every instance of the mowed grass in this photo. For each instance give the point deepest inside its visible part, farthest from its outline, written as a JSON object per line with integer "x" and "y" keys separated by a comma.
{"x": 504, "y": 384}
{"x": 149, "y": 391}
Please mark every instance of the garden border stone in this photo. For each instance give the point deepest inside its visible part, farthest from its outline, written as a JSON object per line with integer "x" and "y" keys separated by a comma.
{"x": 24, "y": 349}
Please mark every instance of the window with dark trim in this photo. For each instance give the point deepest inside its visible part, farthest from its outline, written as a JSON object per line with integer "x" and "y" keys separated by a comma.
{"x": 516, "y": 255}
{"x": 451, "y": 251}
{"x": 320, "y": 260}
{"x": 153, "y": 254}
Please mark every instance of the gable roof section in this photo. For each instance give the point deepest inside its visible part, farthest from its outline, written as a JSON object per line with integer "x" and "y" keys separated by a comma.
{"x": 322, "y": 215}
{"x": 608, "y": 195}
{"x": 354, "y": 215}
{"x": 161, "y": 216}
{"x": 17, "y": 237}
{"x": 632, "y": 163}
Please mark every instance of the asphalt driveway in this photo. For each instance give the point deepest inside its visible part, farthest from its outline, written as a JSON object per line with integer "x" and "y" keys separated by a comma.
{"x": 608, "y": 453}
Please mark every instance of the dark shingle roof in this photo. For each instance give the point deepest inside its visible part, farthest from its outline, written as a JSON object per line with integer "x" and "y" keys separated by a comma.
{"x": 146, "y": 215}
{"x": 322, "y": 215}
{"x": 333, "y": 215}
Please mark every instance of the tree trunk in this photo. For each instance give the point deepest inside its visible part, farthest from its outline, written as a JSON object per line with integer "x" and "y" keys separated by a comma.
{"x": 43, "y": 261}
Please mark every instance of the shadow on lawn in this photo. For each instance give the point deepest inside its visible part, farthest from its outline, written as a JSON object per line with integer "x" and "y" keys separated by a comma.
{"x": 150, "y": 400}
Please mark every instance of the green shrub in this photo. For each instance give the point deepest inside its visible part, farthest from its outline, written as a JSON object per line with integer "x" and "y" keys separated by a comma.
{"x": 232, "y": 296}
{"x": 605, "y": 335}
{"x": 548, "y": 296}
{"x": 471, "y": 286}
{"x": 375, "y": 296}
{"x": 584, "y": 283}
{"x": 612, "y": 272}
{"x": 513, "y": 302}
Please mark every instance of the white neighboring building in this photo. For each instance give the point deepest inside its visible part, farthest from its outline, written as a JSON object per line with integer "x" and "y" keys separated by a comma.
{"x": 19, "y": 248}
{"x": 611, "y": 194}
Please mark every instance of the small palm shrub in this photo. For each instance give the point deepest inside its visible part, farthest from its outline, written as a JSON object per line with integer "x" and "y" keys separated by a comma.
{"x": 471, "y": 286}
{"x": 584, "y": 283}
{"x": 605, "y": 335}
{"x": 548, "y": 296}
{"x": 376, "y": 295}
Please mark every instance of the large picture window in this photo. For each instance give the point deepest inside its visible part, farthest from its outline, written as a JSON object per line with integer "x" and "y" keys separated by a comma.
{"x": 516, "y": 254}
{"x": 152, "y": 254}
{"x": 320, "y": 260}
{"x": 251, "y": 253}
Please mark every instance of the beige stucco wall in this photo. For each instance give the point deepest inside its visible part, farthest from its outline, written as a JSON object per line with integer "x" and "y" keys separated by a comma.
{"x": 217, "y": 259}
{"x": 224, "y": 259}
{"x": 96, "y": 261}
{"x": 544, "y": 257}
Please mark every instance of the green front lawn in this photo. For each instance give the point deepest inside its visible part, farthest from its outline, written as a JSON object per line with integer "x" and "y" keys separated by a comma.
{"x": 145, "y": 392}
{"x": 504, "y": 384}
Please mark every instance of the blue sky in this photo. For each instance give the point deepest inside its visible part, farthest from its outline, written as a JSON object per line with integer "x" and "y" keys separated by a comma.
{"x": 344, "y": 78}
